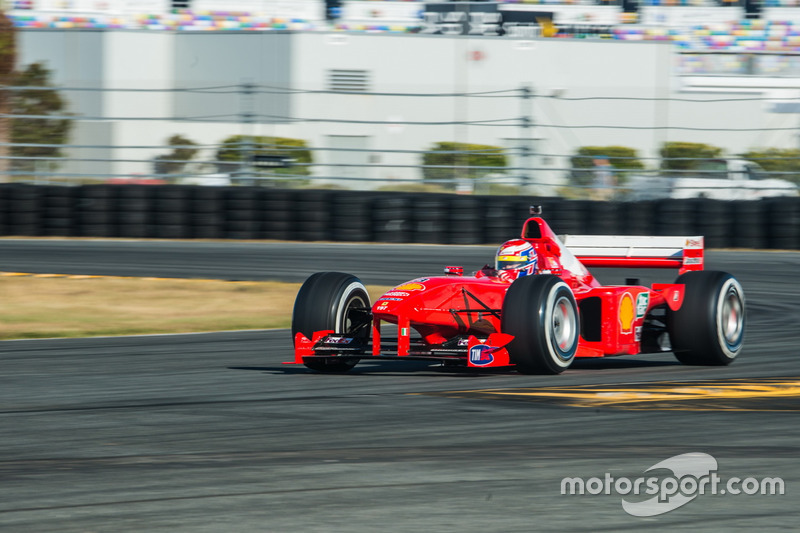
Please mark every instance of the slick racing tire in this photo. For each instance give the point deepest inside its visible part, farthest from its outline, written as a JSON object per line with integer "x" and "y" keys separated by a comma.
{"x": 708, "y": 329}
{"x": 541, "y": 313}
{"x": 331, "y": 301}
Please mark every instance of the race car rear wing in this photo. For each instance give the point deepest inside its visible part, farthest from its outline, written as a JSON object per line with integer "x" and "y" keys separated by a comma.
{"x": 626, "y": 251}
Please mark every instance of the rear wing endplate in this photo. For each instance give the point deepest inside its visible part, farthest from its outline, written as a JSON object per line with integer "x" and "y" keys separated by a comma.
{"x": 628, "y": 251}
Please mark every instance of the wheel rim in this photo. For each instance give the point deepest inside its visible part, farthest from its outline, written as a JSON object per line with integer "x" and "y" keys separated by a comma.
{"x": 731, "y": 316}
{"x": 355, "y": 301}
{"x": 563, "y": 326}
{"x": 353, "y": 297}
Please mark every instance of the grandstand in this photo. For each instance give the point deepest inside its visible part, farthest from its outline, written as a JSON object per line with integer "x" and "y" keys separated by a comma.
{"x": 689, "y": 24}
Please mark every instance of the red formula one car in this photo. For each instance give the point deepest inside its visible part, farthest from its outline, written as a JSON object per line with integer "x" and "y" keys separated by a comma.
{"x": 535, "y": 323}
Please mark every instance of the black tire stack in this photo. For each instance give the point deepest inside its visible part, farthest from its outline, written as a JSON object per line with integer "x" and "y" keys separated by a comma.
{"x": 134, "y": 207}
{"x": 520, "y": 210}
{"x": 602, "y": 218}
{"x": 465, "y": 223}
{"x": 568, "y": 218}
{"x": 206, "y": 217}
{"x": 277, "y": 205}
{"x": 23, "y": 210}
{"x": 242, "y": 212}
{"x": 178, "y": 212}
{"x": 391, "y": 218}
{"x": 95, "y": 211}
{"x": 783, "y": 223}
{"x": 345, "y": 217}
{"x": 430, "y": 215}
{"x": 171, "y": 214}
{"x": 747, "y": 223}
{"x": 311, "y": 216}
{"x": 675, "y": 217}
{"x": 3, "y": 209}
{"x": 713, "y": 221}
{"x": 636, "y": 218}
{"x": 58, "y": 211}
{"x": 501, "y": 223}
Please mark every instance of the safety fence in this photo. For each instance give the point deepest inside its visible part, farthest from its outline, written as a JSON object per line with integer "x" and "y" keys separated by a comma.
{"x": 197, "y": 212}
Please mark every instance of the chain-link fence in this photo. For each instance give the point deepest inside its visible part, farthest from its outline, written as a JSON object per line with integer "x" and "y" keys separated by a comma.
{"x": 255, "y": 134}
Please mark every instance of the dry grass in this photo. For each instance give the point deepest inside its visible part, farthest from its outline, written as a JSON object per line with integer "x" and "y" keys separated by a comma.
{"x": 41, "y": 307}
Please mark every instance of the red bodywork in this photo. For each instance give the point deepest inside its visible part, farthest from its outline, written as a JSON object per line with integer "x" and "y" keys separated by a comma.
{"x": 457, "y": 318}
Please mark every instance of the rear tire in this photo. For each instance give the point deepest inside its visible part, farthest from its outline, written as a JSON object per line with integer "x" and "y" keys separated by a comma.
{"x": 708, "y": 329}
{"x": 330, "y": 301}
{"x": 541, "y": 313}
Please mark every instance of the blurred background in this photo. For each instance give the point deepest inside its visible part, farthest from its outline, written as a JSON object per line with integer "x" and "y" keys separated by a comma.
{"x": 554, "y": 98}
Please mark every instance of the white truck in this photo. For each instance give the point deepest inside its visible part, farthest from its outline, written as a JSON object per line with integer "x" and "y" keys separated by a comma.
{"x": 718, "y": 179}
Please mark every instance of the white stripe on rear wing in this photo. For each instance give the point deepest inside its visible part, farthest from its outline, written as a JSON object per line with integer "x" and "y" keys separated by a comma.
{"x": 685, "y": 253}
{"x": 630, "y": 245}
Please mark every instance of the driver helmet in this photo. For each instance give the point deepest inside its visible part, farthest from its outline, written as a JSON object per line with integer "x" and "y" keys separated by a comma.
{"x": 517, "y": 256}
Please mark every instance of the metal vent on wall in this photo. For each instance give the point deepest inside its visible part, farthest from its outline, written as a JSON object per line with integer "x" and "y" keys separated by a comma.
{"x": 348, "y": 80}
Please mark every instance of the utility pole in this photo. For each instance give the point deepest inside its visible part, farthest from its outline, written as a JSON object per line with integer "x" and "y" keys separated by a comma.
{"x": 246, "y": 147}
{"x": 526, "y": 123}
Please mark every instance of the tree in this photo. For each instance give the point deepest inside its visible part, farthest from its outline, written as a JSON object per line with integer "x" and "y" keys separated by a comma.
{"x": 447, "y": 162}
{"x": 175, "y": 162}
{"x": 8, "y": 58}
{"x": 38, "y": 100}
{"x": 621, "y": 158}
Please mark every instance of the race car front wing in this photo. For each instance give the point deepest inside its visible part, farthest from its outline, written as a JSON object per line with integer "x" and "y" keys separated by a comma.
{"x": 464, "y": 349}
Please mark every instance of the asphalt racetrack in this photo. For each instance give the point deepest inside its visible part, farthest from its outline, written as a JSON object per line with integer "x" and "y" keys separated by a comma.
{"x": 210, "y": 432}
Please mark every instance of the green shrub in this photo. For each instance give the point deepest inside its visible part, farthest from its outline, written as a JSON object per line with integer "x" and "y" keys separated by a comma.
{"x": 783, "y": 160}
{"x": 234, "y": 148}
{"x": 686, "y": 156}
{"x": 448, "y": 162}
{"x": 621, "y": 158}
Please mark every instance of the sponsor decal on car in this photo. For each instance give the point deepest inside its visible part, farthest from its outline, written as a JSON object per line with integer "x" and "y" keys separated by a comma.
{"x": 410, "y": 287}
{"x": 384, "y": 298}
{"x": 338, "y": 340}
{"x": 480, "y": 355}
{"x": 642, "y": 302}
{"x": 626, "y": 313}
{"x": 694, "y": 244}
{"x": 397, "y": 293}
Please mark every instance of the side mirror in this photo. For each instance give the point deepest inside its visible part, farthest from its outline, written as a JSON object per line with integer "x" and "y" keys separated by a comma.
{"x": 454, "y": 271}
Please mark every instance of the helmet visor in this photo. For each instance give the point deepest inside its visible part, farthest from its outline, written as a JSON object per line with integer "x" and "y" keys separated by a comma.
{"x": 510, "y": 262}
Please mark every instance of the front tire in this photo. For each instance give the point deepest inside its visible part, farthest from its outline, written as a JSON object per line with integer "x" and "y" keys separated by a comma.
{"x": 541, "y": 313}
{"x": 708, "y": 329}
{"x": 331, "y": 301}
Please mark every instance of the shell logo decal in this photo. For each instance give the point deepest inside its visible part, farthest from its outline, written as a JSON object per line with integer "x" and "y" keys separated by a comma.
{"x": 626, "y": 313}
{"x": 410, "y": 287}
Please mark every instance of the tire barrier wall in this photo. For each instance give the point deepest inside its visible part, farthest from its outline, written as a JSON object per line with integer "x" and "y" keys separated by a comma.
{"x": 195, "y": 212}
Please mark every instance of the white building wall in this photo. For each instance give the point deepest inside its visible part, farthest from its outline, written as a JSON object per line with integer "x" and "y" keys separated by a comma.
{"x": 140, "y": 66}
{"x": 439, "y": 65}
